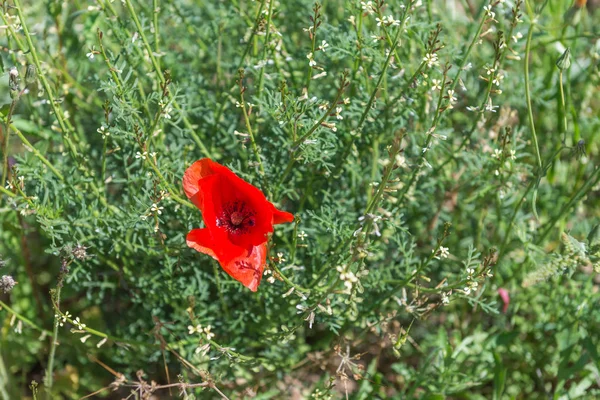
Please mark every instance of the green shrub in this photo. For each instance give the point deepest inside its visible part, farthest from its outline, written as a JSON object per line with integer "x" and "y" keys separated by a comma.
{"x": 431, "y": 152}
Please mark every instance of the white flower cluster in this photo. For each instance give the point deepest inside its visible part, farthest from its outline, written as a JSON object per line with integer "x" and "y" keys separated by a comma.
{"x": 200, "y": 330}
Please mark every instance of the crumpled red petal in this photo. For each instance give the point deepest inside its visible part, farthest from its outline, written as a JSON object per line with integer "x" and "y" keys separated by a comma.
{"x": 242, "y": 266}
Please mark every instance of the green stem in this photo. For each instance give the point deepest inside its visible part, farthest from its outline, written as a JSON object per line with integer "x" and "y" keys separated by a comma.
{"x": 528, "y": 95}
{"x": 265, "y": 49}
{"x": 49, "y": 371}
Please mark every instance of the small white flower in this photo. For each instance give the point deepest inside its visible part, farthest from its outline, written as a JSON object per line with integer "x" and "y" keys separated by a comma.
{"x": 516, "y": 37}
{"x": 302, "y": 235}
{"x": 451, "y": 98}
{"x": 489, "y": 12}
{"x": 323, "y": 45}
{"x": 166, "y": 112}
{"x": 445, "y": 298}
{"x": 91, "y": 54}
{"x": 194, "y": 329}
{"x": 103, "y": 131}
{"x": 513, "y": 155}
{"x": 156, "y": 209}
{"x": 367, "y": 7}
{"x": 431, "y": 59}
{"x": 338, "y": 111}
{"x": 489, "y": 106}
{"x": 14, "y": 72}
{"x": 498, "y": 79}
{"x": 497, "y": 154}
{"x": 141, "y": 155}
{"x": 208, "y": 333}
{"x": 79, "y": 324}
{"x": 436, "y": 84}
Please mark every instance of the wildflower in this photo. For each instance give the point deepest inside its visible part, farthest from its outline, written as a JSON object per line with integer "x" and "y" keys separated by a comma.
{"x": 208, "y": 333}
{"x": 92, "y": 53}
{"x": 194, "y": 329}
{"x": 238, "y": 219}
{"x": 85, "y": 338}
{"x": 442, "y": 253}
{"x": 516, "y": 37}
{"x": 166, "y": 112}
{"x": 431, "y": 59}
{"x": 513, "y": 155}
{"x": 367, "y": 7}
{"x": 302, "y": 235}
{"x": 79, "y": 324}
{"x": 141, "y": 155}
{"x": 489, "y": 106}
{"x": 451, "y": 98}
{"x": 7, "y": 283}
{"x": 436, "y": 84}
{"x": 489, "y": 12}
{"x": 156, "y": 209}
{"x": 311, "y": 60}
{"x": 323, "y": 46}
{"x": 445, "y": 299}
{"x": 102, "y": 131}
{"x": 498, "y": 79}
{"x": 338, "y": 111}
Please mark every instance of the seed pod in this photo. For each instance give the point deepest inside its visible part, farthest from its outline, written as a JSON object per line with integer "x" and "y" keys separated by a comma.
{"x": 30, "y": 75}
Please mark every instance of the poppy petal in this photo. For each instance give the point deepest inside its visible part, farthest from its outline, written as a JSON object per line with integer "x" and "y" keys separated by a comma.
{"x": 201, "y": 240}
{"x": 281, "y": 217}
{"x": 192, "y": 176}
{"x": 248, "y": 269}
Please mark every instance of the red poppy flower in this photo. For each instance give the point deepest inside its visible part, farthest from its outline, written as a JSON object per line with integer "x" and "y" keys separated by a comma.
{"x": 238, "y": 219}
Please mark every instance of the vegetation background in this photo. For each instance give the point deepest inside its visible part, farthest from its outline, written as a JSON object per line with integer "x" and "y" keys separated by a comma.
{"x": 440, "y": 157}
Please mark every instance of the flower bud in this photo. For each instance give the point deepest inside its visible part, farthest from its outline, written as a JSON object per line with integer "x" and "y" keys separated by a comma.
{"x": 564, "y": 61}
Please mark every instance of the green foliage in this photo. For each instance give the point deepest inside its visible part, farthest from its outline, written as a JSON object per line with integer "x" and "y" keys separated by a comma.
{"x": 431, "y": 152}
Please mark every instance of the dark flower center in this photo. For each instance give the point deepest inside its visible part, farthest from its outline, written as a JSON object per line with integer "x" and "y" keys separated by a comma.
{"x": 236, "y": 217}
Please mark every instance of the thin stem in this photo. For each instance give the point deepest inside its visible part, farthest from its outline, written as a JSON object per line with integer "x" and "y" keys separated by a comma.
{"x": 265, "y": 49}
{"x": 528, "y": 95}
{"x": 26, "y": 320}
{"x": 53, "y": 344}
{"x": 591, "y": 182}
